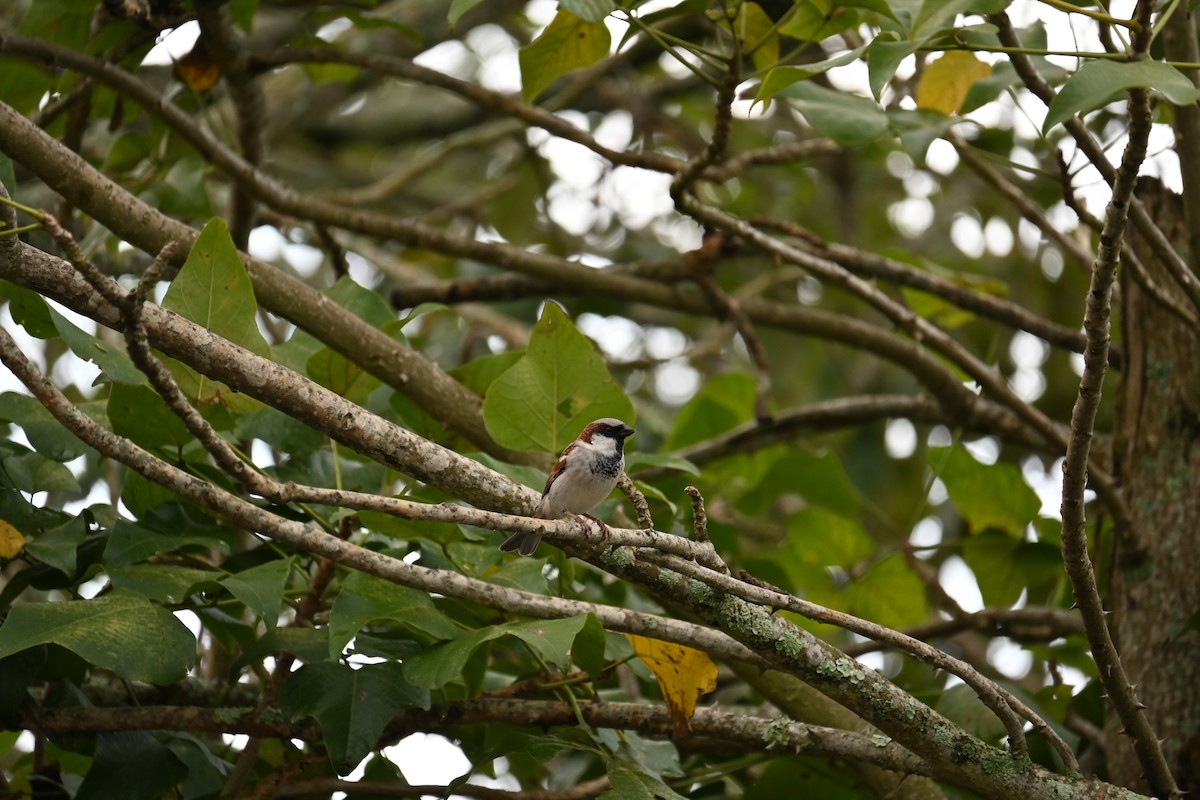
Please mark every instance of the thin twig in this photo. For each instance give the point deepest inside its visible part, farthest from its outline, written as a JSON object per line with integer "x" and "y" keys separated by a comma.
{"x": 1096, "y": 326}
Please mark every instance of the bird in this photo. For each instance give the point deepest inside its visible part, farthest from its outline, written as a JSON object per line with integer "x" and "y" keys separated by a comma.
{"x": 586, "y": 472}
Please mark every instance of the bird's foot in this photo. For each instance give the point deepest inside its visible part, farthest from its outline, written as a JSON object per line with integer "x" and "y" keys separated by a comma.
{"x": 604, "y": 531}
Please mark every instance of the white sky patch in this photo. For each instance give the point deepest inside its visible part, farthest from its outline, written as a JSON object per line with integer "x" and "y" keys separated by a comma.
{"x": 959, "y": 582}
{"x": 900, "y": 438}
{"x": 497, "y": 52}
{"x": 676, "y": 382}
{"x": 927, "y": 533}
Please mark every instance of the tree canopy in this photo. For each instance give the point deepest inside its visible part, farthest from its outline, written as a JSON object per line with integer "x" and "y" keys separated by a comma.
{"x": 301, "y": 300}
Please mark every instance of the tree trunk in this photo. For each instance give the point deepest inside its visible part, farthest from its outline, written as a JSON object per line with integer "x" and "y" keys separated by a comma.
{"x": 1155, "y": 593}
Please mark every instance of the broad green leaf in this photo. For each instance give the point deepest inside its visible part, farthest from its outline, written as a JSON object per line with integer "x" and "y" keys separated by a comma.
{"x": 62, "y": 22}
{"x": 918, "y": 129}
{"x": 756, "y": 32}
{"x": 56, "y": 547}
{"x": 129, "y": 544}
{"x": 935, "y": 14}
{"x": 636, "y": 461}
{"x": 568, "y": 43}
{"x": 122, "y": 632}
{"x": 883, "y": 59}
{"x": 846, "y": 118}
{"x": 550, "y": 639}
{"x": 780, "y": 78}
{"x": 890, "y": 594}
{"x": 818, "y": 477}
{"x": 963, "y": 707}
{"x": 165, "y": 583}
{"x": 458, "y": 8}
{"x": 365, "y": 599}
{"x": 723, "y": 403}
{"x": 989, "y": 496}
{"x": 310, "y": 645}
{"x": 589, "y": 10}
{"x": 139, "y": 414}
{"x": 938, "y": 311}
{"x": 261, "y": 588}
{"x": 111, "y": 360}
{"x": 1004, "y": 567}
{"x": 946, "y": 81}
{"x": 817, "y": 20}
{"x": 340, "y": 375}
{"x": 821, "y": 539}
{"x": 29, "y": 310}
{"x": 130, "y": 764}
{"x": 477, "y": 375}
{"x": 213, "y": 290}
{"x": 32, "y": 472}
{"x": 1099, "y": 83}
{"x": 351, "y": 705}
{"x": 45, "y": 433}
{"x": 588, "y": 649}
{"x": 626, "y": 782}
{"x": 560, "y": 385}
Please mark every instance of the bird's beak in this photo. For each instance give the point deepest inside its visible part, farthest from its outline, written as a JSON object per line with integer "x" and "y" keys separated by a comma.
{"x": 628, "y": 431}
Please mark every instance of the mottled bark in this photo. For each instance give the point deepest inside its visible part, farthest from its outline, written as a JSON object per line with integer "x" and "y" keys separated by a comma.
{"x": 1155, "y": 593}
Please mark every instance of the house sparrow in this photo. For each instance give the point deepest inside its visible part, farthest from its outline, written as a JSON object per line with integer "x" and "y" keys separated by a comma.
{"x": 585, "y": 474}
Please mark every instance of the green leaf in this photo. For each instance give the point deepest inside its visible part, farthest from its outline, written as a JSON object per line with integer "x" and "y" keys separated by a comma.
{"x": 629, "y": 783}
{"x": 818, "y": 477}
{"x": 1004, "y": 567}
{"x": 165, "y": 583}
{"x": 132, "y": 765}
{"x": 560, "y": 385}
{"x": 568, "y": 43}
{"x": 884, "y": 57}
{"x": 889, "y": 594}
{"x": 963, "y": 707}
{"x": 261, "y": 588}
{"x": 139, "y": 414}
{"x": 29, "y": 310}
{"x": 1099, "y": 83}
{"x": 365, "y": 599}
{"x": 936, "y": 13}
{"x": 817, "y": 20}
{"x": 32, "y": 472}
{"x": 478, "y": 375}
{"x": 780, "y": 78}
{"x": 590, "y": 10}
{"x": 458, "y": 8}
{"x": 45, "y": 433}
{"x": 340, "y": 375}
{"x": 352, "y": 706}
{"x": 723, "y": 403}
{"x": 846, "y": 118}
{"x": 310, "y": 645}
{"x": 213, "y": 290}
{"x": 129, "y": 544}
{"x": 638, "y": 461}
{"x": 57, "y": 546}
{"x": 122, "y": 632}
{"x": 550, "y": 639}
{"x": 112, "y": 361}
{"x": 588, "y": 649}
{"x": 756, "y": 32}
{"x": 938, "y": 311}
{"x": 994, "y": 496}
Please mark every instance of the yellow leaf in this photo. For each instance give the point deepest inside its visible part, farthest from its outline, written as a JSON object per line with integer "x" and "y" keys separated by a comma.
{"x": 757, "y": 32}
{"x": 683, "y": 674}
{"x": 11, "y": 540}
{"x": 946, "y": 81}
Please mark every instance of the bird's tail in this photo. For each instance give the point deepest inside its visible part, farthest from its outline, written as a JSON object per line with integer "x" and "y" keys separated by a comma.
{"x": 523, "y": 543}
